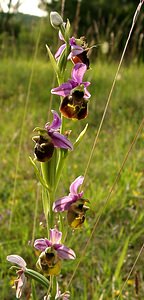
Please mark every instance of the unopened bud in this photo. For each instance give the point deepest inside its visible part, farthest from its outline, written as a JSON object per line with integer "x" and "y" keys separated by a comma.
{"x": 55, "y": 19}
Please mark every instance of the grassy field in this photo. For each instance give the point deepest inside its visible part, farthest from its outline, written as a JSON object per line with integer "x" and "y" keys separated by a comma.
{"x": 119, "y": 234}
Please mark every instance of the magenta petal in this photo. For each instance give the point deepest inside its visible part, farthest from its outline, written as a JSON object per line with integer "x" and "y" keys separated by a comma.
{"x": 87, "y": 83}
{"x": 78, "y": 72}
{"x": 42, "y": 244}
{"x": 60, "y": 141}
{"x": 87, "y": 95}
{"x": 63, "y": 203}
{"x": 60, "y": 50}
{"x": 75, "y": 49}
{"x": 62, "y": 90}
{"x": 75, "y": 185}
{"x": 73, "y": 83}
{"x": 16, "y": 259}
{"x": 65, "y": 252}
{"x": 72, "y": 41}
{"x": 55, "y": 236}
{"x": 56, "y": 123}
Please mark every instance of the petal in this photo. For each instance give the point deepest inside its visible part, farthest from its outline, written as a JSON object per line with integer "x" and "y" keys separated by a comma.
{"x": 73, "y": 83}
{"x": 65, "y": 295}
{"x": 72, "y": 41}
{"x": 42, "y": 244}
{"x": 60, "y": 50}
{"x": 65, "y": 252}
{"x": 16, "y": 259}
{"x": 87, "y": 95}
{"x": 87, "y": 83}
{"x": 60, "y": 34}
{"x": 78, "y": 72}
{"x": 76, "y": 50}
{"x": 62, "y": 90}
{"x": 60, "y": 141}
{"x": 20, "y": 283}
{"x": 55, "y": 236}
{"x": 63, "y": 203}
{"x": 75, "y": 185}
{"x": 56, "y": 123}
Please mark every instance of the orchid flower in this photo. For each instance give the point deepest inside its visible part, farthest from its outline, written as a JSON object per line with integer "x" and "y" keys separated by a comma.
{"x": 52, "y": 253}
{"x": 75, "y": 83}
{"x": 58, "y": 139}
{"x": 73, "y": 203}
{"x": 78, "y": 51}
{"x": 21, "y": 280}
{"x": 50, "y": 138}
{"x": 75, "y": 93}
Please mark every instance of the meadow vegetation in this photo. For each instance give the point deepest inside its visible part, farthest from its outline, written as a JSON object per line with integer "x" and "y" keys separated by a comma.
{"x": 119, "y": 233}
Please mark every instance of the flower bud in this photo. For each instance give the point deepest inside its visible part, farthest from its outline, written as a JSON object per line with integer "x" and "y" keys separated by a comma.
{"x": 55, "y": 19}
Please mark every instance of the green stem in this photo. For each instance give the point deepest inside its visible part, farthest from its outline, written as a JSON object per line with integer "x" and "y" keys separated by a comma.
{"x": 60, "y": 165}
{"x": 51, "y": 213}
{"x": 53, "y": 287}
{"x": 49, "y": 175}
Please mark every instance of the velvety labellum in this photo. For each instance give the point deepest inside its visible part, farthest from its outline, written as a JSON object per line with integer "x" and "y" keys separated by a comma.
{"x": 74, "y": 106}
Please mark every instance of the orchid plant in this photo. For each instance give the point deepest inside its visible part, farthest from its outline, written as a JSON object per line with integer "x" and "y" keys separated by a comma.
{"x": 52, "y": 145}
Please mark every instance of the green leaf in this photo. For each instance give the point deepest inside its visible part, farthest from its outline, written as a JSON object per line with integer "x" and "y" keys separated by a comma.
{"x": 121, "y": 259}
{"x": 38, "y": 277}
{"x": 81, "y": 135}
{"x": 52, "y": 60}
{"x": 40, "y": 178}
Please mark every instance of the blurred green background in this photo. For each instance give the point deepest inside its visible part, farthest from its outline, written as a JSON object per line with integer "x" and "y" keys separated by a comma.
{"x": 103, "y": 24}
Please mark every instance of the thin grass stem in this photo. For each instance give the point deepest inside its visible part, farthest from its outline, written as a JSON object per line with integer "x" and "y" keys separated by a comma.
{"x": 111, "y": 91}
{"x": 35, "y": 213}
{"x": 108, "y": 197}
{"x": 62, "y": 8}
{"x": 22, "y": 127}
{"x": 96, "y": 139}
{"x": 131, "y": 270}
